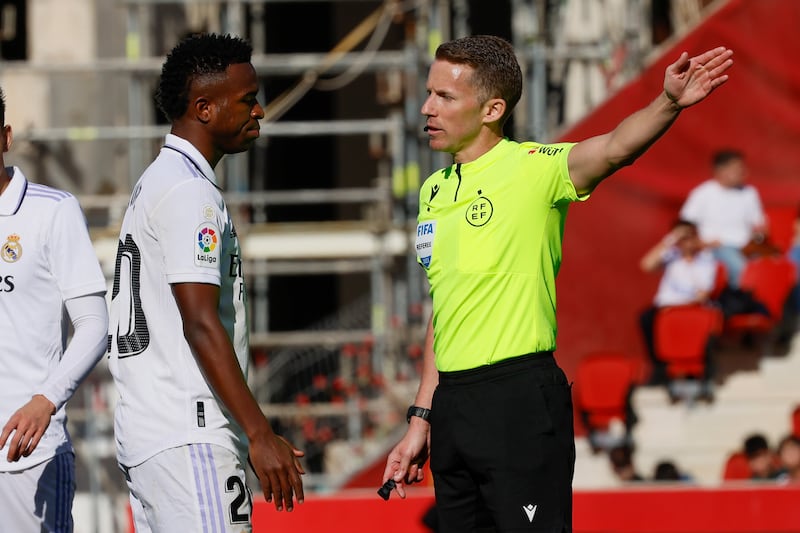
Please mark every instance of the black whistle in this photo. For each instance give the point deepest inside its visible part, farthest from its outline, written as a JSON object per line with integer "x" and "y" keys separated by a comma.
{"x": 386, "y": 489}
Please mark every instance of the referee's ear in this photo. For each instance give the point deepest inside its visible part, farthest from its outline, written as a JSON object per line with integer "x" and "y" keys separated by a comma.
{"x": 7, "y": 137}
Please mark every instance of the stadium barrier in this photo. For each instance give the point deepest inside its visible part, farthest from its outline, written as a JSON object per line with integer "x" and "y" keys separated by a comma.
{"x": 734, "y": 508}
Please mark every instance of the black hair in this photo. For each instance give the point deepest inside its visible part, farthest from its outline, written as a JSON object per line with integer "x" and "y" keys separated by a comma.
{"x": 723, "y": 157}
{"x": 755, "y": 444}
{"x": 195, "y": 56}
{"x": 2, "y": 108}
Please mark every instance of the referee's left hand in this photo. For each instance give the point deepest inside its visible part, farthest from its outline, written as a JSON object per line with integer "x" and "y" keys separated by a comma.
{"x": 28, "y": 425}
{"x": 406, "y": 460}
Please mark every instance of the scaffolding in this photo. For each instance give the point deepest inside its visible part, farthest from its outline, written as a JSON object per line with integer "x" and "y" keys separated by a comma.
{"x": 370, "y": 350}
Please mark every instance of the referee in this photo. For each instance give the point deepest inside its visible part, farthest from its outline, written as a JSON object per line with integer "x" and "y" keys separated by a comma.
{"x": 493, "y": 409}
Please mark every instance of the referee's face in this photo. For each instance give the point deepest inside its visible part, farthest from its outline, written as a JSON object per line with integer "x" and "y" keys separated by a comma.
{"x": 453, "y": 109}
{"x": 234, "y": 124}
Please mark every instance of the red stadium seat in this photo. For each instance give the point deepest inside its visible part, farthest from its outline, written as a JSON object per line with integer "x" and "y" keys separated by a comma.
{"x": 604, "y": 381}
{"x": 770, "y": 279}
{"x": 681, "y": 337}
{"x": 736, "y": 467}
{"x": 720, "y": 281}
{"x": 780, "y": 221}
{"x": 796, "y": 422}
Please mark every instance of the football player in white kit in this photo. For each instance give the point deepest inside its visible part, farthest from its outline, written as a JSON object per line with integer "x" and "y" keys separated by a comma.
{"x": 186, "y": 422}
{"x": 47, "y": 266}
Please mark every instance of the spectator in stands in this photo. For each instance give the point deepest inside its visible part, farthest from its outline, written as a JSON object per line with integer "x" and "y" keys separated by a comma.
{"x": 688, "y": 275}
{"x": 621, "y": 460}
{"x": 669, "y": 471}
{"x": 728, "y": 212}
{"x": 789, "y": 459}
{"x": 489, "y": 238}
{"x": 760, "y": 457}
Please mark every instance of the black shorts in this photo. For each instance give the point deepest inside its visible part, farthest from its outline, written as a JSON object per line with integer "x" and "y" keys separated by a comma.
{"x": 503, "y": 447}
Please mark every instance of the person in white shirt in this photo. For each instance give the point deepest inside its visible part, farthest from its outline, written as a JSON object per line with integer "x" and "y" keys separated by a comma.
{"x": 47, "y": 267}
{"x": 186, "y": 423}
{"x": 727, "y": 211}
{"x": 689, "y": 273}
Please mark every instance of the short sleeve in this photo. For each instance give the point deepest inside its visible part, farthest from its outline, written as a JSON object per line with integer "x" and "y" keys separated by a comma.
{"x": 71, "y": 255}
{"x": 189, "y": 225}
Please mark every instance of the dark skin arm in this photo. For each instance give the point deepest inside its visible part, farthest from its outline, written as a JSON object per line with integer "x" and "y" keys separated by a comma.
{"x": 273, "y": 459}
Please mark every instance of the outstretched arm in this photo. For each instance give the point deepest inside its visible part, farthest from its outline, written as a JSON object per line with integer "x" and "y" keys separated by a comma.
{"x": 686, "y": 82}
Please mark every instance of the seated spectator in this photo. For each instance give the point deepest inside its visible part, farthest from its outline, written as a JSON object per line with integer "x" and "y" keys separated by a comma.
{"x": 760, "y": 457}
{"x": 728, "y": 212}
{"x": 688, "y": 275}
{"x": 668, "y": 471}
{"x": 789, "y": 459}
{"x": 621, "y": 459}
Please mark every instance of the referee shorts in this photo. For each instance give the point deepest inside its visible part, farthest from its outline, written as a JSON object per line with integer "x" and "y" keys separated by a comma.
{"x": 503, "y": 447}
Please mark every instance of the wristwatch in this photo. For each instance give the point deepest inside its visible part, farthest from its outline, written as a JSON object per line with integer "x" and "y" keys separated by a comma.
{"x": 421, "y": 412}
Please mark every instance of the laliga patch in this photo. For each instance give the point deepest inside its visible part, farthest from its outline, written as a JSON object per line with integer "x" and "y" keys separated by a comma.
{"x": 208, "y": 247}
{"x": 424, "y": 242}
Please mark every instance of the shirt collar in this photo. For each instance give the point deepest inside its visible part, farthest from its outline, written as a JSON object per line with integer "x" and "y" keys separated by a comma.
{"x": 186, "y": 148}
{"x": 12, "y": 197}
{"x": 498, "y": 151}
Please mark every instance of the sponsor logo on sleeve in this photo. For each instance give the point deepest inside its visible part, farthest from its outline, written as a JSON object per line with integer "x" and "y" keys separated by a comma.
{"x": 546, "y": 150}
{"x": 208, "y": 247}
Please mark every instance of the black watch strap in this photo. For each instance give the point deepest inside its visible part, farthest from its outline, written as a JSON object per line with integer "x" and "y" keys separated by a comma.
{"x": 421, "y": 412}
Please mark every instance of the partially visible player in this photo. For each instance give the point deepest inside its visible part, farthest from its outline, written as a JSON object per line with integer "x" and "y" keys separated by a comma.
{"x": 186, "y": 422}
{"x": 47, "y": 266}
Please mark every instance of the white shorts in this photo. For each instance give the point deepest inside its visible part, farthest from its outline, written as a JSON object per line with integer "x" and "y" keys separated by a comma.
{"x": 39, "y": 499}
{"x": 194, "y": 488}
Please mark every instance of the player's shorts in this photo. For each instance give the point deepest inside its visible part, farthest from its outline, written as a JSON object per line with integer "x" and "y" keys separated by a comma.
{"x": 39, "y": 499}
{"x": 197, "y": 487}
{"x": 503, "y": 447}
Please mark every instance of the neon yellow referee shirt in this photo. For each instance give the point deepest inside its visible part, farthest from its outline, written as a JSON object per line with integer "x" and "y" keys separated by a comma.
{"x": 489, "y": 238}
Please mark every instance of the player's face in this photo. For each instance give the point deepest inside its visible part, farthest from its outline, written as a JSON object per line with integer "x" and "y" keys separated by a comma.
{"x": 453, "y": 108}
{"x": 234, "y": 125}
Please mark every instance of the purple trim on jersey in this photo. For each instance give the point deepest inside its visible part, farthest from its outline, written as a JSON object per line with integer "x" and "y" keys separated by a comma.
{"x": 191, "y": 167}
{"x": 208, "y": 488}
{"x": 190, "y": 163}
{"x": 198, "y": 487}
{"x": 43, "y": 191}
{"x": 216, "y": 485}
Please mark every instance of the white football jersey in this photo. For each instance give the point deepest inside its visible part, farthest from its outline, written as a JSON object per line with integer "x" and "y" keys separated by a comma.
{"x": 46, "y": 257}
{"x": 176, "y": 230}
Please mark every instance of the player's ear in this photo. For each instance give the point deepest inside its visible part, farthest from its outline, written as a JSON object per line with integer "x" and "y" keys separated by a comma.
{"x": 203, "y": 109}
{"x": 7, "y": 137}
